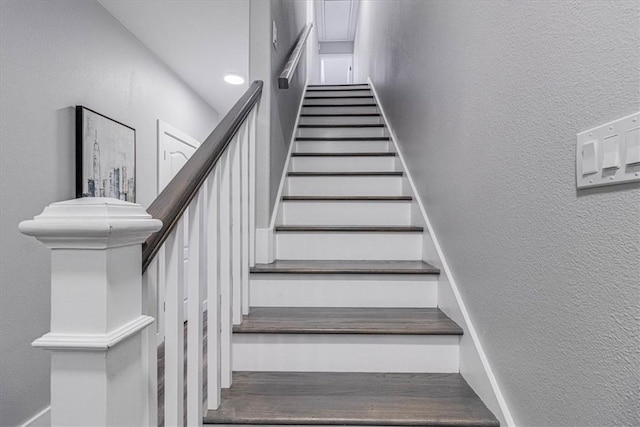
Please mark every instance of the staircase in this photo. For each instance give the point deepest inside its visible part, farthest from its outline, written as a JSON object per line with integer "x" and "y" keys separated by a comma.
{"x": 344, "y": 327}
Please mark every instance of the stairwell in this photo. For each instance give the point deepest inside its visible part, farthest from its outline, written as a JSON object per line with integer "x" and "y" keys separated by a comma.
{"x": 344, "y": 327}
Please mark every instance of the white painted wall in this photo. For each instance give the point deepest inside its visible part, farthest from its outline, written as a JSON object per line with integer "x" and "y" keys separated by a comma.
{"x": 278, "y": 107}
{"x": 290, "y": 18}
{"x": 200, "y": 40}
{"x": 486, "y": 99}
{"x": 54, "y": 55}
{"x": 335, "y": 47}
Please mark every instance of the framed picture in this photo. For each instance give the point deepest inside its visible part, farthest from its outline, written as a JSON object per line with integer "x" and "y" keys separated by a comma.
{"x": 105, "y": 157}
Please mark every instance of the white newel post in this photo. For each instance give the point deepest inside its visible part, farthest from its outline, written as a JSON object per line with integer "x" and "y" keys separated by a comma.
{"x": 97, "y": 375}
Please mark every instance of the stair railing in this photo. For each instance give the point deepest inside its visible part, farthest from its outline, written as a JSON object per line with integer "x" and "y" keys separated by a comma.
{"x": 289, "y": 69}
{"x": 111, "y": 258}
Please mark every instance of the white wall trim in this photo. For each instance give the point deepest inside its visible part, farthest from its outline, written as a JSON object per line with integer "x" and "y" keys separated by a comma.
{"x": 93, "y": 342}
{"x": 276, "y": 205}
{"x": 265, "y": 241}
{"x": 265, "y": 237}
{"x": 468, "y": 327}
{"x": 41, "y": 419}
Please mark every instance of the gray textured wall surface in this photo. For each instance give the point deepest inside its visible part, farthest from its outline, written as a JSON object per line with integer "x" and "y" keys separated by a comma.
{"x": 486, "y": 99}
{"x": 53, "y": 56}
{"x": 290, "y": 17}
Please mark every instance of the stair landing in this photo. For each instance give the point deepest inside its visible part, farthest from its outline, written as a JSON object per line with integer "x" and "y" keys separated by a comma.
{"x": 303, "y": 398}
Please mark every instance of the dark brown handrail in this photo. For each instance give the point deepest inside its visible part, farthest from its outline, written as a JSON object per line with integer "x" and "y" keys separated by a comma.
{"x": 176, "y": 196}
{"x": 292, "y": 63}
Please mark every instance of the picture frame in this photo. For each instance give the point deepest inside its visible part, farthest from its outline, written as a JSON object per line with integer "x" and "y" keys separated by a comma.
{"x": 105, "y": 156}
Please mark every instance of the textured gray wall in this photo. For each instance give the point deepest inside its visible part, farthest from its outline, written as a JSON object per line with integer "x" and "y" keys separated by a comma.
{"x": 486, "y": 99}
{"x": 290, "y": 17}
{"x": 53, "y": 56}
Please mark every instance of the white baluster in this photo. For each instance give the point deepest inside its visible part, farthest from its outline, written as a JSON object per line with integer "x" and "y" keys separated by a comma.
{"x": 197, "y": 276}
{"x": 150, "y": 338}
{"x": 244, "y": 211}
{"x": 174, "y": 328}
{"x": 213, "y": 290}
{"x": 236, "y": 220}
{"x": 252, "y": 185}
{"x": 226, "y": 283}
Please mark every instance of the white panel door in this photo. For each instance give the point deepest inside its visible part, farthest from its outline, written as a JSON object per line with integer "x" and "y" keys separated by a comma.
{"x": 174, "y": 149}
{"x": 336, "y": 69}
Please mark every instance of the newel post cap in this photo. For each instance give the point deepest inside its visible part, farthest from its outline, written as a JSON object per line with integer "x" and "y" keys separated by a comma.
{"x": 91, "y": 223}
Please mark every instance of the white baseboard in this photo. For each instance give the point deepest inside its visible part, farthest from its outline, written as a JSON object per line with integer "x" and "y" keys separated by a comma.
{"x": 41, "y": 419}
{"x": 265, "y": 245}
{"x": 474, "y": 365}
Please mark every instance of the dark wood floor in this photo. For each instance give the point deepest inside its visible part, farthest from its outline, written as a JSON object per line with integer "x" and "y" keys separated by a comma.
{"x": 350, "y": 399}
{"x": 161, "y": 363}
{"x": 297, "y": 320}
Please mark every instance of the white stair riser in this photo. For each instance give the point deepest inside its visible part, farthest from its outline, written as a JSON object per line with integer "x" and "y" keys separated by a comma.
{"x": 391, "y": 246}
{"x": 338, "y": 101}
{"x": 339, "y": 132}
{"x": 346, "y": 213}
{"x": 316, "y": 93}
{"x": 345, "y": 353}
{"x": 338, "y": 87}
{"x": 341, "y": 146}
{"x": 343, "y": 290}
{"x": 340, "y": 120}
{"x": 344, "y": 186}
{"x": 339, "y": 110}
{"x": 342, "y": 164}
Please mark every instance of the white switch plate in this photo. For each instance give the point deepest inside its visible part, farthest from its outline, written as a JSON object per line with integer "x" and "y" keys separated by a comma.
{"x": 615, "y": 159}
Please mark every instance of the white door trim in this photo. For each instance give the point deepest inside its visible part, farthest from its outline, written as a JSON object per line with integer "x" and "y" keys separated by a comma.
{"x": 165, "y": 128}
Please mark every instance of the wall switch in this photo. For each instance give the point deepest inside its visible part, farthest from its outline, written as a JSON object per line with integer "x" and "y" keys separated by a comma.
{"x": 611, "y": 159}
{"x": 609, "y": 154}
{"x": 633, "y": 147}
{"x": 589, "y": 158}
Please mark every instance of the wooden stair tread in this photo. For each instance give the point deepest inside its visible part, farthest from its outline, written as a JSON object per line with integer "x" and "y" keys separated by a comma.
{"x": 341, "y": 85}
{"x": 343, "y": 138}
{"x": 347, "y": 198}
{"x": 311, "y": 89}
{"x": 346, "y": 267}
{"x": 347, "y": 154}
{"x": 321, "y": 320}
{"x": 350, "y": 228}
{"x": 341, "y": 115}
{"x": 305, "y": 398}
{"x": 339, "y": 96}
{"x": 355, "y": 125}
{"x": 344, "y": 174}
{"x": 339, "y": 105}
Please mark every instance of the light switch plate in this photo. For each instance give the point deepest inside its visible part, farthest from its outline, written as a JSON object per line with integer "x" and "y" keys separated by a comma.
{"x": 613, "y": 157}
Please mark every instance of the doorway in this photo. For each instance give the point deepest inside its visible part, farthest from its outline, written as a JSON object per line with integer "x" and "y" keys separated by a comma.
{"x": 336, "y": 69}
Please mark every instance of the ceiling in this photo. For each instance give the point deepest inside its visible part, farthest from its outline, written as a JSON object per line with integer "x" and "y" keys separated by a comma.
{"x": 201, "y": 41}
{"x": 336, "y": 20}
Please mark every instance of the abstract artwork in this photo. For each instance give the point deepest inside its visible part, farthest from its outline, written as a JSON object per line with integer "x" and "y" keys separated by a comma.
{"x": 105, "y": 157}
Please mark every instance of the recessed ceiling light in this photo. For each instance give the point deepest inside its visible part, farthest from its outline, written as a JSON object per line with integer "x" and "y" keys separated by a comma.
{"x": 233, "y": 79}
